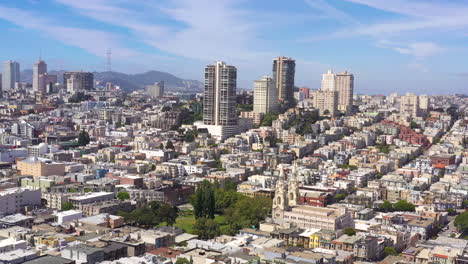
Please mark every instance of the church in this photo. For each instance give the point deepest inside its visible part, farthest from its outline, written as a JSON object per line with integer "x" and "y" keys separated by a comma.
{"x": 288, "y": 212}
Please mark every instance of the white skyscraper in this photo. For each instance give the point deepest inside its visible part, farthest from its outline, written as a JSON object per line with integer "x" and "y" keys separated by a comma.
{"x": 40, "y": 67}
{"x": 343, "y": 85}
{"x": 156, "y": 89}
{"x": 265, "y": 95}
{"x": 11, "y": 75}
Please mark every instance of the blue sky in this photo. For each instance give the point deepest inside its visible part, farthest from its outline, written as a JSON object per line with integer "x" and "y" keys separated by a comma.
{"x": 390, "y": 45}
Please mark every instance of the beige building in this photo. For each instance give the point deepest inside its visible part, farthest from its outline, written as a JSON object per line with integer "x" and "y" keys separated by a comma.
{"x": 424, "y": 102}
{"x": 155, "y": 90}
{"x": 40, "y": 167}
{"x": 256, "y": 117}
{"x": 326, "y": 102}
{"x": 344, "y": 85}
{"x": 265, "y": 96}
{"x": 409, "y": 104}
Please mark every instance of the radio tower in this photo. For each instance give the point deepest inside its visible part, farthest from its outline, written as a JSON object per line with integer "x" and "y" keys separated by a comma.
{"x": 109, "y": 56}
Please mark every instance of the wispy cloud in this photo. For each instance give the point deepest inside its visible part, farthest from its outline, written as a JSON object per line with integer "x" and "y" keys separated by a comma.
{"x": 331, "y": 11}
{"x": 94, "y": 41}
{"x": 417, "y": 49}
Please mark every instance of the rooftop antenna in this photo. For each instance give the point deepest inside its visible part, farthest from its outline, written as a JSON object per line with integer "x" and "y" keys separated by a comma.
{"x": 109, "y": 57}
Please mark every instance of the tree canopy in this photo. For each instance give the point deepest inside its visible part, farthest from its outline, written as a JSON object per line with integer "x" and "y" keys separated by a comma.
{"x": 152, "y": 214}
{"x": 123, "y": 196}
{"x": 461, "y": 223}
{"x": 206, "y": 228}
{"x": 83, "y": 138}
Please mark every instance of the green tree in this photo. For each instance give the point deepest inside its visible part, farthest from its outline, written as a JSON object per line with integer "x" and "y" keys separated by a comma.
{"x": 390, "y": 251}
{"x": 182, "y": 261}
{"x": 83, "y": 138}
{"x": 403, "y": 205}
{"x": 451, "y": 211}
{"x": 203, "y": 201}
{"x": 340, "y": 196}
{"x": 206, "y": 228}
{"x": 161, "y": 146}
{"x": 268, "y": 119}
{"x": 67, "y": 206}
{"x": 461, "y": 222}
{"x": 349, "y": 231}
{"x": 326, "y": 112}
{"x": 123, "y": 196}
{"x": 168, "y": 214}
{"x": 247, "y": 212}
{"x": 413, "y": 125}
{"x": 386, "y": 206}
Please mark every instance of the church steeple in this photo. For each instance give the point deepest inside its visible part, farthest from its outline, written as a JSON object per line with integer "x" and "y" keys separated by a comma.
{"x": 280, "y": 201}
{"x": 293, "y": 188}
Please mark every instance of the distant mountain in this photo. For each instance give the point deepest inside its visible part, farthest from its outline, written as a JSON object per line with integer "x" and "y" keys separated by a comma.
{"x": 132, "y": 82}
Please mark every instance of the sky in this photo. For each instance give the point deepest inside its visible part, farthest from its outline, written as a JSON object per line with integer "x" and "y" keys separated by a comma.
{"x": 417, "y": 46}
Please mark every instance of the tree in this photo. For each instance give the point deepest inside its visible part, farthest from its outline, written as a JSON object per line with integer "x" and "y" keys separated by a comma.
{"x": 169, "y": 145}
{"x": 386, "y": 207}
{"x": 83, "y": 138}
{"x": 123, "y": 196}
{"x": 206, "y": 228}
{"x": 67, "y": 206}
{"x": 413, "y": 125}
{"x": 268, "y": 119}
{"x": 182, "y": 261}
{"x": 340, "y": 196}
{"x": 350, "y": 231}
{"x": 451, "y": 211}
{"x": 461, "y": 222}
{"x": 161, "y": 146}
{"x": 247, "y": 212}
{"x": 203, "y": 201}
{"x": 168, "y": 214}
{"x": 403, "y": 205}
{"x": 326, "y": 112}
{"x": 390, "y": 251}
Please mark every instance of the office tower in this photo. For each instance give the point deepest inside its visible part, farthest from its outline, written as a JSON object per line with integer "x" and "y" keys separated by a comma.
{"x": 74, "y": 84}
{"x": 283, "y": 74}
{"x": 344, "y": 85}
{"x": 40, "y": 67}
{"x": 11, "y": 75}
{"x": 155, "y": 90}
{"x": 326, "y": 101}
{"x": 1, "y": 83}
{"x": 265, "y": 95}
{"x": 409, "y": 104}
{"x": 45, "y": 80}
{"x": 219, "y": 101}
{"x": 86, "y": 79}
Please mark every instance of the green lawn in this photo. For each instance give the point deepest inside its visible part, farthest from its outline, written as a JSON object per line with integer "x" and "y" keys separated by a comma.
{"x": 186, "y": 220}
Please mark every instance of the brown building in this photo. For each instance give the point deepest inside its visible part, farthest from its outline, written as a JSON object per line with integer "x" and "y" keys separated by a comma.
{"x": 40, "y": 167}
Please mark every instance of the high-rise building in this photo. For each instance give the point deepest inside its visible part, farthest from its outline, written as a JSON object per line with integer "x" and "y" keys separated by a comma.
{"x": 86, "y": 79}
{"x": 424, "y": 102}
{"x": 328, "y": 81}
{"x": 409, "y": 104}
{"x": 155, "y": 90}
{"x": 40, "y": 67}
{"x": 46, "y": 80}
{"x": 11, "y": 75}
{"x": 284, "y": 70}
{"x": 326, "y": 101}
{"x": 344, "y": 85}
{"x": 265, "y": 96}
{"x": 219, "y": 101}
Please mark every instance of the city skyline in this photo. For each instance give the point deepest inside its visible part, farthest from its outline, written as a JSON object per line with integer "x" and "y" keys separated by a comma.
{"x": 416, "y": 48}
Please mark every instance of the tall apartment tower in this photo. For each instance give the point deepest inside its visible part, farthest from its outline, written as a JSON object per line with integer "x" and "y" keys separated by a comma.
{"x": 344, "y": 85}
{"x": 11, "y": 75}
{"x": 86, "y": 79}
{"x": 265, "y": 96}
{"x": 219, "y": 101}
{"x": 284, "y": 70}
{"x": 155, "y": 90}
{"x": 40, "y": 67}
{"x": 409, "y": 104}
{"x": 328, "y": 81}
{"x": 326, "y": 102}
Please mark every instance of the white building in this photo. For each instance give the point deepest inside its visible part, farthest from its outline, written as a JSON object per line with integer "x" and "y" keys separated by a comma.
{"x": 10, "y": 75}
{"x": 155, "y": 90}
{"x": 265, "y": 95}
{"x": 13, "y": 200}
{"x": 69, "y": 216}
{"x": 40, "y": 67}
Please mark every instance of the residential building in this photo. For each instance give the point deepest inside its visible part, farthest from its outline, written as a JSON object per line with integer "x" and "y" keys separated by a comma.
{"x": 156, "y": 89}
{"x": 344, "y": 85}
{"x": 284, "y": 70}
{"x": 265, "y": 96}
{"x": 83, "y": 80}
{"x": 83, "y": 254}
{"x": 409, "y": 104}
{"x": 37, "y": 167}
{"x": 14, "y": 200}
{"x": 326, "y": 101}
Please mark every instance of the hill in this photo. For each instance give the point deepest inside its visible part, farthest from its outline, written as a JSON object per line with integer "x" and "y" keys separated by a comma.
{"x": 132, "y": 82}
